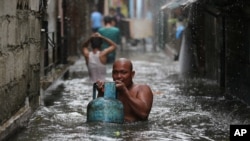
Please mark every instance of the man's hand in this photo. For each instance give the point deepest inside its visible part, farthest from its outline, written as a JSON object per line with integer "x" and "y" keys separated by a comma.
{"x": 96, "y": 34}
{"x": 120, "y": 86}
{"x": 100, "y": 87}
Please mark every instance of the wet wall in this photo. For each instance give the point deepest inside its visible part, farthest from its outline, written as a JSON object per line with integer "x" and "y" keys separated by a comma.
{"x": 19, "y": 61}
{"x": 221, "y": 41}
{"x": 237, "y": 53}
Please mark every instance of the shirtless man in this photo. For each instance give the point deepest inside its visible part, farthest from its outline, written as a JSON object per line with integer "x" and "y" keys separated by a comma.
{"x": 137, "y": 99}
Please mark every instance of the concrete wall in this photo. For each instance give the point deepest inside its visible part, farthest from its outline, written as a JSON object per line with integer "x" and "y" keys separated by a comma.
{"x": 19, "y": 60}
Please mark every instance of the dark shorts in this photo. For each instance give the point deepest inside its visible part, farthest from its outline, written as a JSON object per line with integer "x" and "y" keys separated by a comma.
{"x": 110, "y": 60}
{"x": 95, "y": 29}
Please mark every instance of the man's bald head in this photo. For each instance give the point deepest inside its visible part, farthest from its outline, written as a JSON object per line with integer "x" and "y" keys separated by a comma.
{"x": 124, "y": 61}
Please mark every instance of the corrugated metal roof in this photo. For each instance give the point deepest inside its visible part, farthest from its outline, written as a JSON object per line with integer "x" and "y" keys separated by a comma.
{"x": 177, "y": 3}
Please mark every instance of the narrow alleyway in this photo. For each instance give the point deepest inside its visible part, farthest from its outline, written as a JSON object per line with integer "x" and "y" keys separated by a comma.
{"x": 184, "y": 109}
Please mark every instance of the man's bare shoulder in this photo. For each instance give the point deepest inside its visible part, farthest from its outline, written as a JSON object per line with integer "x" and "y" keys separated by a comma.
{"x": 142, "y": 87}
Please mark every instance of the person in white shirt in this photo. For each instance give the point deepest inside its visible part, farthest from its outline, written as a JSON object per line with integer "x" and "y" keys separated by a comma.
{"x": 95, "y": 58}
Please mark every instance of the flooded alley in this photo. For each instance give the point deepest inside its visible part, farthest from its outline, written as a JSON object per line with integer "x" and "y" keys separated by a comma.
{"x": 194, "y": 54}
{"x": 184, "y": 108}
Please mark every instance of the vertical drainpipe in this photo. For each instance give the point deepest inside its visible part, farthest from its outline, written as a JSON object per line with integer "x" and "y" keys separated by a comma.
{"x": 106, "y": 7}
{"x": 223, "y": 55}
{"x": 66, "y": 34}
{"x": 59, "y": 40}
{"x": 131, "y": 8}
{"x": 138, "y": 8}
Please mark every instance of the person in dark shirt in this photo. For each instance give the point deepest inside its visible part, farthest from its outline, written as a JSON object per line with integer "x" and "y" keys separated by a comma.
{"x": 111, "y": 32}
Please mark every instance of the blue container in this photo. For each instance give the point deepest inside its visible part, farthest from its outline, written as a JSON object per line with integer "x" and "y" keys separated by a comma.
{"x": 107, "y": 108}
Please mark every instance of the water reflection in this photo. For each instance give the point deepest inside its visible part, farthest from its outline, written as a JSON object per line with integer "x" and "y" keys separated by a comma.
{"x": 190, "y": 109}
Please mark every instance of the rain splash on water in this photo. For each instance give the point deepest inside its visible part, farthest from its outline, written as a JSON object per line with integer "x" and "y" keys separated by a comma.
{"x": 184, "y": 109}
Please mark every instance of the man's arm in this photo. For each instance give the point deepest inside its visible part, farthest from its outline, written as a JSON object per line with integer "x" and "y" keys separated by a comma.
{"x": 141, "y": 102}
{"x": 85, "y": 50}
{"x": 112, "y": 46}
{"x": 100, "y": 88}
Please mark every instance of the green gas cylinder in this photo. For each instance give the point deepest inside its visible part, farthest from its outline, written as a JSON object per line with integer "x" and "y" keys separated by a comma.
{"x": 107, "y": 108}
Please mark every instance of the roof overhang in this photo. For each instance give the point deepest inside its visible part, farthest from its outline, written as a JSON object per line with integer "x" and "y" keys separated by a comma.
{"x": 177, "y": 3}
